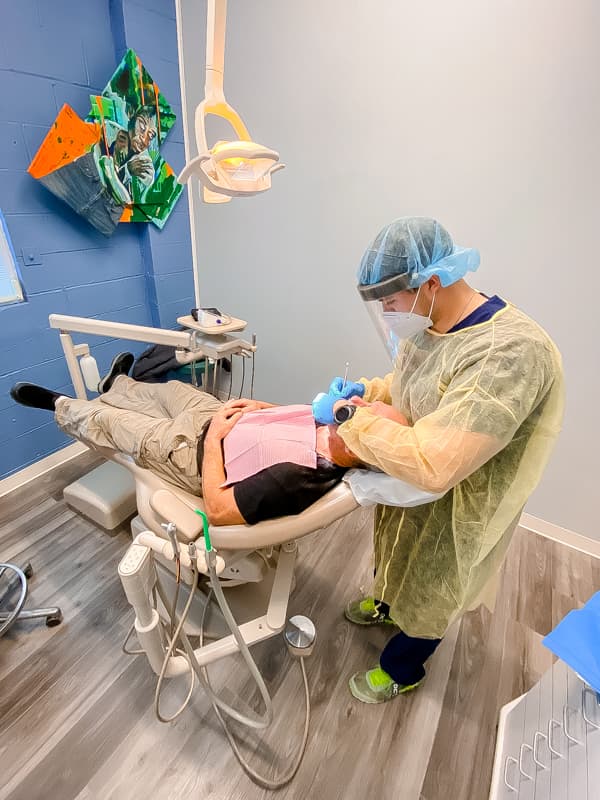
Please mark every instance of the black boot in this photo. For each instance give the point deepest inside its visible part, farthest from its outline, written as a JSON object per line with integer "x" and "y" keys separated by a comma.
{"x": 121, "y": 364}
{"x": 29, "y": 394}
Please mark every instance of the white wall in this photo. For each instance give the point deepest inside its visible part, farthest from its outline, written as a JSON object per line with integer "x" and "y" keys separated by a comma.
{"x": 484, "y": 115}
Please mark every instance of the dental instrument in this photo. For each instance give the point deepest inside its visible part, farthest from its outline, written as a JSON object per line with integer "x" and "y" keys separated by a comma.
{"x": 345, "y": 377}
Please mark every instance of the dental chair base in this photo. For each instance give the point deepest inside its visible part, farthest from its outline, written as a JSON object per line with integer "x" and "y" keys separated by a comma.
{"x": 138, "y": 574}
{"x": 160, "y": 638}
{"x": 247, "y": 578}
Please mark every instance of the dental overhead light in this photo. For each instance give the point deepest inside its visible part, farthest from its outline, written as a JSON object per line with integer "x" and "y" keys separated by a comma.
{"x": 236, "y": 168}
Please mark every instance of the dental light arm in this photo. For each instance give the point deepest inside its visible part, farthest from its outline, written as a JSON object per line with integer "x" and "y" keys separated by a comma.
{"x": 236, "y": 168}
{"x": 216, "y": 20}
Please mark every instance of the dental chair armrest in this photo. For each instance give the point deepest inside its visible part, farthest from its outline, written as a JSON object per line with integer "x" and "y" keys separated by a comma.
{"x": 171, "y": 509}
{"x": 170, "y": 506}
{"x": 334, "y": 505}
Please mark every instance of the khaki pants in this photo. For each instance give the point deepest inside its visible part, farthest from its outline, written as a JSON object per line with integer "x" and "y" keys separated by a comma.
{"x": 157, "y": 424}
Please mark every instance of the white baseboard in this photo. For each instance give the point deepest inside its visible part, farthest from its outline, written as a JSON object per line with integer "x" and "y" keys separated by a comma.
{"x": 563, "y": 535}
{"x": 41, "y": 467}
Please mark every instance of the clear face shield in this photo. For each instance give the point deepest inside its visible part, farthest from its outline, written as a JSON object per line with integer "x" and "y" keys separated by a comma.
{"x": 393, "y": 315}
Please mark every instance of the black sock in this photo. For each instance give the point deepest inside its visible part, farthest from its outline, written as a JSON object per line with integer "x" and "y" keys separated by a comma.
{"x": 121, "y": 364}
{"x": 29, "y": 394}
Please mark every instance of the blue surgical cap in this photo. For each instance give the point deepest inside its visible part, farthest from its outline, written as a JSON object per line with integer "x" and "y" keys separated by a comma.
{"x": 407, "y": 253}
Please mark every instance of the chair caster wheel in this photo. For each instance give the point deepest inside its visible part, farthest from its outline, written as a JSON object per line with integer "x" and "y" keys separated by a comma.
{"x": 28, "y": 571}
{"x": 54, "y": 619}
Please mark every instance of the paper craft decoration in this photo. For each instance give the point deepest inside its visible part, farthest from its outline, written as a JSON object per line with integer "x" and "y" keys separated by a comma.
{"x": 109, "y": 168}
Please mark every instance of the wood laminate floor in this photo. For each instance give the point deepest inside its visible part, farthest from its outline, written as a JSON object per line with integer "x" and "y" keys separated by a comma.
{"x": 76, "y": 718}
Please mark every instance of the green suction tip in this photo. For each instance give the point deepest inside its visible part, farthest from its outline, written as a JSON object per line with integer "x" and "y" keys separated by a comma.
{"x": 207, "y": 541}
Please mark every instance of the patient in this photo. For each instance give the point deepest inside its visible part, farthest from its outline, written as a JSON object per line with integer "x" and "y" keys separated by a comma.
{"x": 177, "y": 432}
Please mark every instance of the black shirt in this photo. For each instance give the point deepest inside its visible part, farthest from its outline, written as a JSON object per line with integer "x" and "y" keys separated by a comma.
{"x": 284, "y": 489}
{"x": 280, "y": 490}
{"x": 481, "y": 314}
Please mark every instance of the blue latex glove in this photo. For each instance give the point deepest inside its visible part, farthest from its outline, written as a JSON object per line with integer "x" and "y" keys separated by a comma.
{"x": 322, "y": 408}
{"x": 350, "y": 389}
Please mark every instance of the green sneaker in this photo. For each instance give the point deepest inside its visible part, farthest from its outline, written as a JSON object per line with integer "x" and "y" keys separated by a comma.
{"x": 376, "y": 686}
{"x": 365, "y": 612}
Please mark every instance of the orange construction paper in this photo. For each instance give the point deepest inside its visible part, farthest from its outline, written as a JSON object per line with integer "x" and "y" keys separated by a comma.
{"x": 68, "y": 139}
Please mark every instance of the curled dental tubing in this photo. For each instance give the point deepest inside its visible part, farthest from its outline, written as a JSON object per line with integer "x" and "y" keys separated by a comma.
{"x": 165, "y": 549}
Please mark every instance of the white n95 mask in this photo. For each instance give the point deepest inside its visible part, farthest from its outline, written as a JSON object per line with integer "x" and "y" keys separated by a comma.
{"x": 404, "y": 324}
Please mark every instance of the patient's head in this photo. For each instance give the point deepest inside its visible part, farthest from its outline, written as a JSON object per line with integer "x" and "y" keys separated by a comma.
{"x": 331, "y": 446}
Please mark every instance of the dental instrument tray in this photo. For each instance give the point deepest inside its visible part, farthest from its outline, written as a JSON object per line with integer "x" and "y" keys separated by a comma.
{"x": 228, "y": 325}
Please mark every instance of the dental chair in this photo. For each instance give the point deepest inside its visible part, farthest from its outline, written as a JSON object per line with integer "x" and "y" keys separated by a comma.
{"x": 257, "y": 560}
{"x": 178, "y": 562}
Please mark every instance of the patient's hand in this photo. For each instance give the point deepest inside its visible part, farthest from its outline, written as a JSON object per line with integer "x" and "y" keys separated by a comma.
{"x": 378, "y": 408}
{"x": 245, "y": 405}
{"x": 222, "y": 422}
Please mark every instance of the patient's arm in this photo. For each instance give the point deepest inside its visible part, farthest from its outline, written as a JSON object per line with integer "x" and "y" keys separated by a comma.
{"x": 219, "y": 501}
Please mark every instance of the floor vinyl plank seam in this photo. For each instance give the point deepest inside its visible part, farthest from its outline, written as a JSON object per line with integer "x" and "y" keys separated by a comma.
{"x": 54, "y": 551}
{"x": 11, "y": 549}
{"x": 75, "y": 582}
{"x": 47, "y": 754}
{"x": 336, "y": 716}
{"x": 77, "y": 710}
{"x": 13, "y": 516}
{"x": 52, "y": 682}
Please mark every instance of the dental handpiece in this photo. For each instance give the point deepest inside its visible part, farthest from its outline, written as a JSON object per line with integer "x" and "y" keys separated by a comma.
{"x": 171, "y": 531}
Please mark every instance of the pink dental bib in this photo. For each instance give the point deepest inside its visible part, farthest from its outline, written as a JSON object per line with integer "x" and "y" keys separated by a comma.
{"x": 270, "y": 436}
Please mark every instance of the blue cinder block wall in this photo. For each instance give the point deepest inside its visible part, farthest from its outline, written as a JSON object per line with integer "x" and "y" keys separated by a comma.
{"x": 50, "y": 54}
{"x": 148, "y": 26}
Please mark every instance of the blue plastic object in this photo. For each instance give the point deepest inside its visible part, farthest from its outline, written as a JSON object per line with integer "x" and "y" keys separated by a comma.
{"x": 418, "y": 247}
{"x": 576, "y": 641}
{"x": 322, "y": 408}
{"x": 345, "y": 390}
